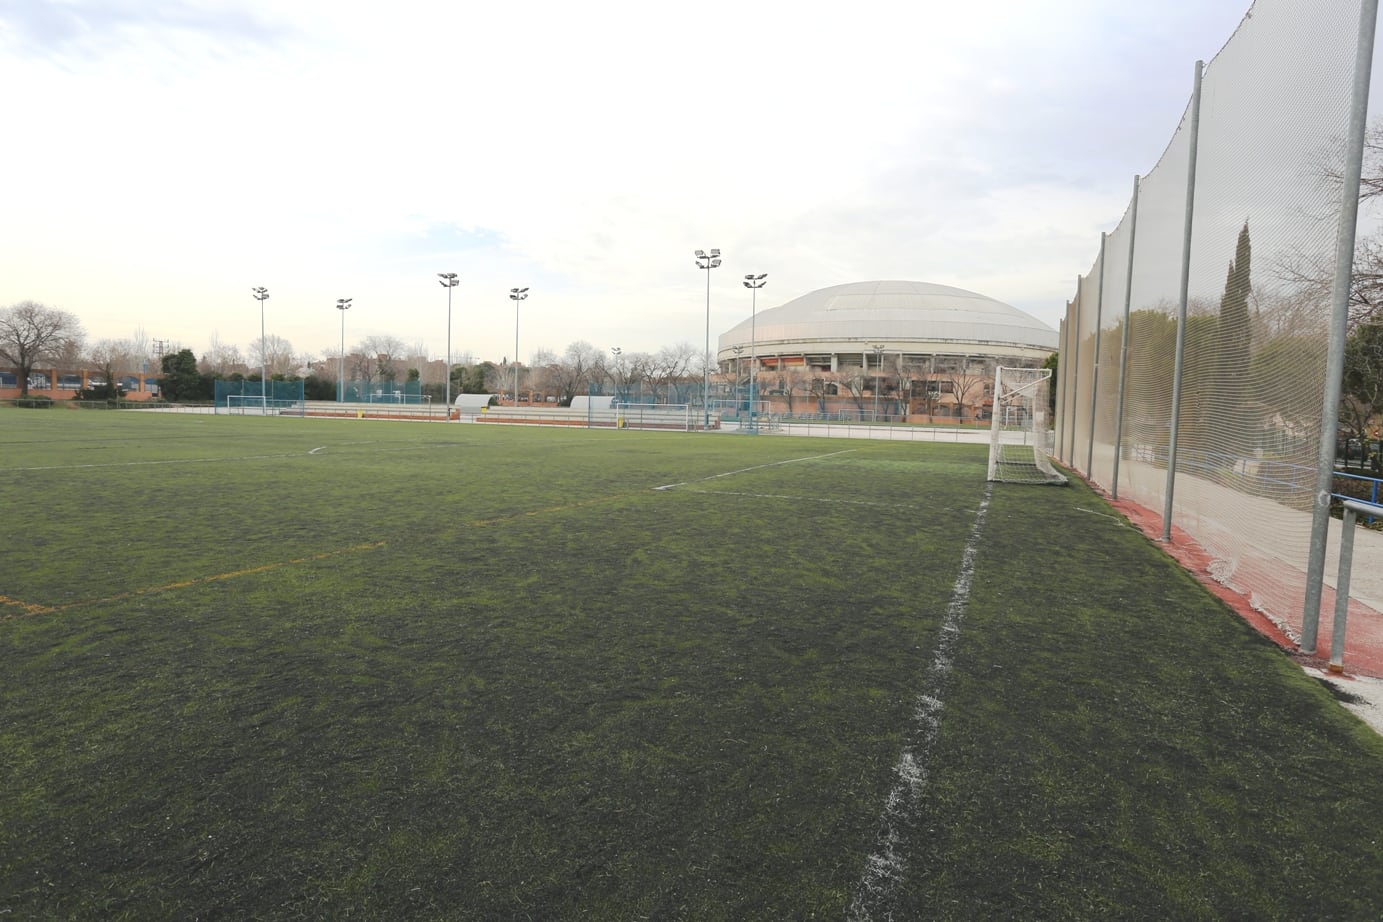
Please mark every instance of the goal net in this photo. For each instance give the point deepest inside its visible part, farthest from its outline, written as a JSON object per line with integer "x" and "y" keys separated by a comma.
{"x": 1019, "y": 438}
{"x": 245, "y": 405}
{"x": 250, "y": 398}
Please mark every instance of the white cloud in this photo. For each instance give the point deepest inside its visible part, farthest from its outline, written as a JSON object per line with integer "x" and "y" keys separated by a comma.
{"x": 165, "y": 159}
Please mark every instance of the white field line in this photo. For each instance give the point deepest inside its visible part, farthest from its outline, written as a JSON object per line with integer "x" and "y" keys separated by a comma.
{"x": 315, "y": 452}
{"x": 78, "y": 467}
{"x": 757, "y": 467}
{"x": 876, "y": 895}
{"x": 802, "y": 499}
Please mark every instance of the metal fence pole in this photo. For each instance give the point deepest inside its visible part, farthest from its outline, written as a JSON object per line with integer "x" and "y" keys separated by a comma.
{"x": 1095, "y": 372}
{"x": 1337, "y": 635}
{"x": 1123, "y": 347}
{"x": 1060, "y": 421}
{"x": 1339, "y": 321}
{"x": 1181, "y": 304}
{"x": 1075, "y": 364}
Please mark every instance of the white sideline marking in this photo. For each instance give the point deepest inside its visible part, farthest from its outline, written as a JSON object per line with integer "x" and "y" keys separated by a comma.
{"x": 290, "y": 454}
{"x": 743, "y": 470}
{"x": 75, "y": 467}
{"x": 885, "y": 867}
{"x": 802, "y": 499}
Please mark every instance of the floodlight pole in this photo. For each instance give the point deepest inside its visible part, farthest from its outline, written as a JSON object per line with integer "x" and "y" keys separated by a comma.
{"x": 753, "y": 283}
{"x": 737, "y": 350}
{"x": 448, "y": 281}
{"x": 878, "y": 367}
{"x": 516, "y": 295}
{"x": 708, "y": 263}
{"x": 342, "y": 305}
{"x": 262, "y": 295}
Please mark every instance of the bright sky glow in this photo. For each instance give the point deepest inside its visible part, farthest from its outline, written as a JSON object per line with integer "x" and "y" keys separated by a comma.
{"x": 161, "y": 159}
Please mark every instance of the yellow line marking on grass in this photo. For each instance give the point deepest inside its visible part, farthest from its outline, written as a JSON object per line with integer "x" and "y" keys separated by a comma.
{"x": 27, "y": 608}
{"x": 195, "y": 581}
{"x": 745, "y": 470}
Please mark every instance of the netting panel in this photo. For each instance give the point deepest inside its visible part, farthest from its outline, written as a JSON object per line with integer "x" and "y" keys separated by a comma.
{"x": 1274, "y": 110}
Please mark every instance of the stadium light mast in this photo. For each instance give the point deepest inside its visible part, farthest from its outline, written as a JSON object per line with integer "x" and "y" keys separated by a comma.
{"x": 261, "y": 295}
{"x": 753, "y": 283}
{"x": 737, "y": 350}
{"x": 708, "y": 263}
{"x": 517, "y": 295}
{"x": 878, "y": 367}
{"x": 448, "y": 281}
{"x": 342, "y": 305}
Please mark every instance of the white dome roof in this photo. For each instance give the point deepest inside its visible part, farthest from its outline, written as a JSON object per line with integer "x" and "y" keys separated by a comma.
{"x": 900, "y": 315}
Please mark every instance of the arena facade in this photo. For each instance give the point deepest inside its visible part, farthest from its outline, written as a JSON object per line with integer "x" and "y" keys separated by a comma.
{"x": 883, "y": 348}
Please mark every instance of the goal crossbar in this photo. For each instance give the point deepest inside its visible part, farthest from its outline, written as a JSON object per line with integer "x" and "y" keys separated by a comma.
{"x": 1019, "y": 440}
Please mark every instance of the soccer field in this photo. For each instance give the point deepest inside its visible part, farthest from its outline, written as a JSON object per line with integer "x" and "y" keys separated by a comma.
{"x": 279, "y": 668}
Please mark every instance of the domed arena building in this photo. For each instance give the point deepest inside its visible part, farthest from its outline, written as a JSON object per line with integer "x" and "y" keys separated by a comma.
{"x": 886, "y": 349}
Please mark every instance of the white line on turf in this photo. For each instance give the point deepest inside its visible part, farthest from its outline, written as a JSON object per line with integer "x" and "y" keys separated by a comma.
{"x": 876, "y": 896}
{"x": 76, "y": 467}
{"x": 291, "y": 454}
{"x": 744, "y": 470}
{"x": 802, "y": 499}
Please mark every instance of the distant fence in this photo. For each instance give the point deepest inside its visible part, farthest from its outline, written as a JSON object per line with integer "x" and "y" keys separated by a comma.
{"x": 1194, "y": 353}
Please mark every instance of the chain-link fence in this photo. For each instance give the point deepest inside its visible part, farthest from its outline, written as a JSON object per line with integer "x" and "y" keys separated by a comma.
{"x": 1194, "y": 353}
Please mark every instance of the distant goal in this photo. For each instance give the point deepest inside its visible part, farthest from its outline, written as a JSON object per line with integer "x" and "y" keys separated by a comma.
{"x": 248, "y": 405}
{"x": 1019, "y": 440}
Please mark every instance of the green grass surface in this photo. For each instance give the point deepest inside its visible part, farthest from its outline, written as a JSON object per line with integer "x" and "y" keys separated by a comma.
{"x": 352, "y": 669}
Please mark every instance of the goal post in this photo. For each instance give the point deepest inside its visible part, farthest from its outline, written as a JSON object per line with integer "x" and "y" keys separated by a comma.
{"x": 247, "y": 405}
{"x": 249, "y": 398}
{"x": 1019, "y": 438}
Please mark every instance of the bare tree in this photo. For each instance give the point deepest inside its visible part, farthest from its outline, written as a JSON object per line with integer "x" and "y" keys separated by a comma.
{"x": 112, "y": 359}
{"x": 221, "y": 357}
{"x": 31, "y": 332}
{"x": 580, "y": 363}
{"x": 274, "y": 354}
{"x": 967, "y": 390}
{"x": 791, "y": 381}
{"x": 385, "y": 354}
{"x": 855, "y": 380}
{"x": 626, "y": 370}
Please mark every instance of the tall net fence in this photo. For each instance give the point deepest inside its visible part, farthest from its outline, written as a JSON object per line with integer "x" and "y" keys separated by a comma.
{"x": 395, "y": 392}
{"x": 1260, "y": 158}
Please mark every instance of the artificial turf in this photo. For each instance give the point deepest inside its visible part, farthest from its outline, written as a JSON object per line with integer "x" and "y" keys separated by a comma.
{"x": 279, "y": 668}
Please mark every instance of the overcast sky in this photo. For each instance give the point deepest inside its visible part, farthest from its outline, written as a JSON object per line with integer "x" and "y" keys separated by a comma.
{"x": 161, "y": 159}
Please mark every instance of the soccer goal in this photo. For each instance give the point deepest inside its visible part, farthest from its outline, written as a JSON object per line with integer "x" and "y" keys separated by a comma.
{"x": 1019, "y": 440}
{"x": 251, "y": 405}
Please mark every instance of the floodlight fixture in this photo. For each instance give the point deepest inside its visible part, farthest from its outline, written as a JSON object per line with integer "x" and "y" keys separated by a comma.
{"x": 447, "y": 280}
{"x": 708, "y": 263}
{"x": 342, "y": 305}
{"x": 261, "y": 295}
{"x": 517, "y": 295}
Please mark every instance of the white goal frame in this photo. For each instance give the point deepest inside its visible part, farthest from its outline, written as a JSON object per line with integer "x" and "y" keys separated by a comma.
{"x": 255, "y": 405}
{"x": 1019, "y": 438}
